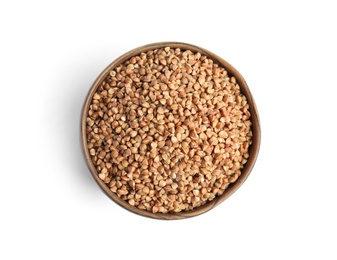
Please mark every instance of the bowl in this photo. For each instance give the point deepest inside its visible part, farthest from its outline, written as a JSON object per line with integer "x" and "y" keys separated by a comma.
{"x": 253, "y": 149}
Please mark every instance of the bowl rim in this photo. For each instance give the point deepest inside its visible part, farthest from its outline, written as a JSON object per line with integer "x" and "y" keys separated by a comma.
{"x": 253, "y": 149}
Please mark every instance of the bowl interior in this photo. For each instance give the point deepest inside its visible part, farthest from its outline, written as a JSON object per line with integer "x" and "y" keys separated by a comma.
{"x": 253, "y": 149}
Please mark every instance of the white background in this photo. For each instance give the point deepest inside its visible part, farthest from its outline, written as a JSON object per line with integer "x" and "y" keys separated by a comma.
{"x": 52, "y": 51}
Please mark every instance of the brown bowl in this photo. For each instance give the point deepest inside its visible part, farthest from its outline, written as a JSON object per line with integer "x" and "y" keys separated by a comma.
{"x": 253, "y": 150}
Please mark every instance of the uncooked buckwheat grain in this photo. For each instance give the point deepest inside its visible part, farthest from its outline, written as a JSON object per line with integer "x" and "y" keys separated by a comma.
{"x": 168, "y": 130}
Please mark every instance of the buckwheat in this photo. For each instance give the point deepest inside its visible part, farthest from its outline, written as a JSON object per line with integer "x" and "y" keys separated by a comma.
{"x": 169, "y": 130}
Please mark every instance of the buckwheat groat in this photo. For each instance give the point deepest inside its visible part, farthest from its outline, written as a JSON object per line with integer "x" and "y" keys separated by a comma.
{"x": 168, "y": 130}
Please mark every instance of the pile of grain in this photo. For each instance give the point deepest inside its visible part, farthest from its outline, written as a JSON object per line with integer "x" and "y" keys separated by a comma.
{"x": 168, "y": 130}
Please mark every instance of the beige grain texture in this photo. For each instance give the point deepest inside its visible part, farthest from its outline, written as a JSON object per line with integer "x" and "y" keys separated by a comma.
{"x": 170, "y": 130}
